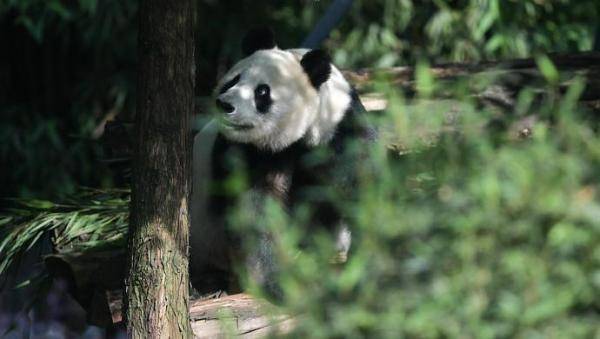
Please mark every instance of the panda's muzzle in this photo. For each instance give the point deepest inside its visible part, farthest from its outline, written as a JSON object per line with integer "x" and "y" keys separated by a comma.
{"x": 225, "y": 106}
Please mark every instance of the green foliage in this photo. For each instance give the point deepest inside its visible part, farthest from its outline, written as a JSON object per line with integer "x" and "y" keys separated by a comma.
{"x": 68, "y": 65}
{"x": 92, "y": 220}
{"x": 476, "y": 235}
{"x": 391, "y": 32}
{"x": 38, "y": 16}
{"x": 45, "y": 163}
{"x": 96, "y": 42}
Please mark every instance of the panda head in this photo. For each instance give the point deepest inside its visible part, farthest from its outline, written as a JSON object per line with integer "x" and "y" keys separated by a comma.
{"x": 273, "y": 97}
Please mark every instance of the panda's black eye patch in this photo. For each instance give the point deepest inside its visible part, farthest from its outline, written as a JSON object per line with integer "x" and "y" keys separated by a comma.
{"x": 229, "y": 84}
{"x": 262, "y": 98}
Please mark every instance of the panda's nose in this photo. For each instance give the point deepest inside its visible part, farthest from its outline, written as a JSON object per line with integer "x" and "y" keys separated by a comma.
{"x": 224, "y": 106}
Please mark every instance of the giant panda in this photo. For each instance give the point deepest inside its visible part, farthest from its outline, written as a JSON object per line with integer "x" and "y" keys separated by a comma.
{"x": 276, "y": 109}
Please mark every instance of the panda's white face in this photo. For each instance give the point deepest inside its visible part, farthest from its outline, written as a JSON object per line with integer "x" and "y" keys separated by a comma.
{"x": 267, "y": 100}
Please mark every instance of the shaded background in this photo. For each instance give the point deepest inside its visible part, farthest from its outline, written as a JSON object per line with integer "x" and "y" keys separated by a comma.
{"x": 66, "y": 66}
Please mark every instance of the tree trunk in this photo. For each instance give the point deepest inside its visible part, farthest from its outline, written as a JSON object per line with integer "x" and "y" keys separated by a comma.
{"x": 158, "y": 280}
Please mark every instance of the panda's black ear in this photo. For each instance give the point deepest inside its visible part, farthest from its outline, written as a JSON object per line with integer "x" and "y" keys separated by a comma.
{"x": 258, "y": 38}
{"x": 317, "y": 65}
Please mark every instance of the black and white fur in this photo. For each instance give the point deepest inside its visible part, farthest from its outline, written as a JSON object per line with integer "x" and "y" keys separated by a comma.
{"x": 277, "y": 107}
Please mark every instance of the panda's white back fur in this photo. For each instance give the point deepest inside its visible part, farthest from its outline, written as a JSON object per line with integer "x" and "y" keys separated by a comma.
{"x": 299, "y": 111}
{"x": 334, "y": 101}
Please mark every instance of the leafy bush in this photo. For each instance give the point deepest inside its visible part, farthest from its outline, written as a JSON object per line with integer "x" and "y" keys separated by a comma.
{"x": 477, "y": 235}
{"x": 386, "y": 33}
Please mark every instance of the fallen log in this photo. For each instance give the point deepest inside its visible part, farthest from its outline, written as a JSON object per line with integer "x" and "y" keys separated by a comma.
{"x": 232, "y": 315}
{"x": 237, "y": 314}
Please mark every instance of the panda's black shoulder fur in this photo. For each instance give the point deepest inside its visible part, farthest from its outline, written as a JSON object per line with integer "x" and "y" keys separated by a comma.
{"x": 353, "y": 125}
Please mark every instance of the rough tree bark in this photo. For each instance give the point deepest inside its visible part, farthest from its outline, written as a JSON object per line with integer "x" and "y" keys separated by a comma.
{"x": 158, "y": 281}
